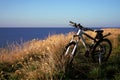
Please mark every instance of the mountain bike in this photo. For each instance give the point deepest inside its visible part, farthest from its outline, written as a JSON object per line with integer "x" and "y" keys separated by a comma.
{"x": 99, "y": 50}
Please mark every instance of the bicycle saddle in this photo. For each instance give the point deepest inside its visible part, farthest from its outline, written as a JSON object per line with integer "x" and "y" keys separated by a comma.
{"x": 99, "y": 31}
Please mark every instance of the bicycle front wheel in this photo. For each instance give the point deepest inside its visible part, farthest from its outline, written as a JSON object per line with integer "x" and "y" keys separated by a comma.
{"x": 102, "y": 51}
{"x": 69, "y": 52}
{"x": 68, "y": 56}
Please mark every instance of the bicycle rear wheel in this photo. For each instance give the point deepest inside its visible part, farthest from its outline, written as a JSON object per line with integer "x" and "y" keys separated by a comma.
{"x": 102, "y": 51}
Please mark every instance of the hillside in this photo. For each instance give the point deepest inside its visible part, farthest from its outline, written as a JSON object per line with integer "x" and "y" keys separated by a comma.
{"x": 41, "y": 60}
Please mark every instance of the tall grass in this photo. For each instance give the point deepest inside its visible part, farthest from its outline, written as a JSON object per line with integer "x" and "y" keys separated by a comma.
{"x": 41, "y": 60}
{"x": 36, "y": 58}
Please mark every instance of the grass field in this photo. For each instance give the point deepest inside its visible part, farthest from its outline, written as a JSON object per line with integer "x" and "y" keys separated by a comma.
{"x": 41, "y": 60}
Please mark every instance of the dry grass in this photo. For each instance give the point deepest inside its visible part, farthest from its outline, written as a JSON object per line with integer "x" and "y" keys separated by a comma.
{"x": 40, "y": 58}
{"x": 48, "y": 46}
{"x": 114, "y": 37}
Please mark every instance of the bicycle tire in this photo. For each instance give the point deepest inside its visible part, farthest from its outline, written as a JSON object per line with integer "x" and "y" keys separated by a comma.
{"x": 103, "y": 47}
{"x": 68, "y": 56}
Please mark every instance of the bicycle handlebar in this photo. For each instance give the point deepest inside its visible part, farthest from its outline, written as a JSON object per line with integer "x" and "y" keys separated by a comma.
{"x": 80, "y": 26}
{"x": 73, "y": 24}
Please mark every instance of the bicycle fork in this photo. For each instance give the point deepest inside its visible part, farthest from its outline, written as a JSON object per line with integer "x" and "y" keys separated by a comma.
{"x": 73, "y": 51}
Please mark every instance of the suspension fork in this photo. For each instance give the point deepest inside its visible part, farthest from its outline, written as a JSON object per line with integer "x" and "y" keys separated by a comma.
{"x": 74, "y": 49}
{"x": 75, "y": 46}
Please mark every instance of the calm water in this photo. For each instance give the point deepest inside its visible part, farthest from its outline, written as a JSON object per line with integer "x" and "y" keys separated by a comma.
{"x": 10, "y": 35}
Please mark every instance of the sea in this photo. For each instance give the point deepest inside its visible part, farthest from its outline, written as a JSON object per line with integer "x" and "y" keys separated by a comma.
{"x": 19, "y": 34}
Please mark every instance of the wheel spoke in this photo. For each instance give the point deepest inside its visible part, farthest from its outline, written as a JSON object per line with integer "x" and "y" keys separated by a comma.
{"x": 102, "y": 51}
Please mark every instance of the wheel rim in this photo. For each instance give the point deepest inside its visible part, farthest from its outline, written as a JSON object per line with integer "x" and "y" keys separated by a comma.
{"x": 102, "y": 52}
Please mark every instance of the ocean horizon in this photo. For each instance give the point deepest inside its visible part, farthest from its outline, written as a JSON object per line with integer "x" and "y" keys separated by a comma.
{"x": 18, "y": 35}
{"x": 10, "y": 35}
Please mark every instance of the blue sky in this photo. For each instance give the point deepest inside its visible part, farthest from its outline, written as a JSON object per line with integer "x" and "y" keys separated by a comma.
{"x": 58, "y": 13}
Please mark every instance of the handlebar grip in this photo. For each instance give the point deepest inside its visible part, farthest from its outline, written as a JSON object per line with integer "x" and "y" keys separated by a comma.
{"x": 71, "y": 22}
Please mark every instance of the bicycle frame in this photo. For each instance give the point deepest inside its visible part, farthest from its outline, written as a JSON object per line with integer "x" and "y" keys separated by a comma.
{"x": 80, "y": 36}
{"x": 94, "y": 47}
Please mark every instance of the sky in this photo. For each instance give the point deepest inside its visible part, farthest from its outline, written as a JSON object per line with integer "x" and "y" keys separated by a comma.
{"x": 58, "y": 13}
